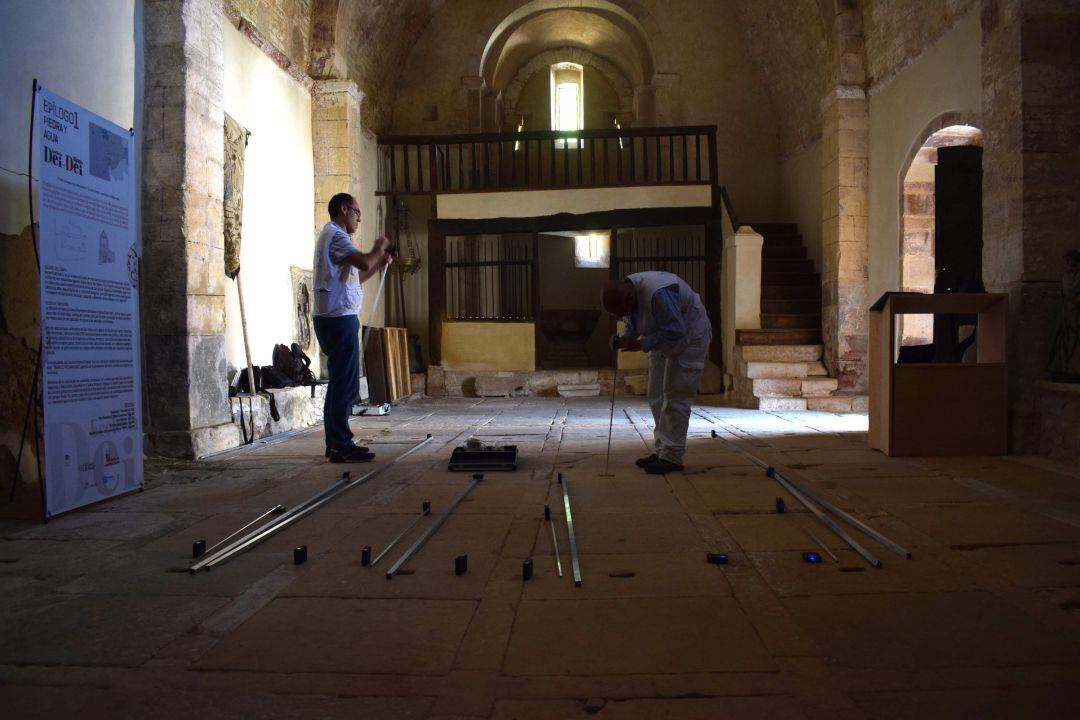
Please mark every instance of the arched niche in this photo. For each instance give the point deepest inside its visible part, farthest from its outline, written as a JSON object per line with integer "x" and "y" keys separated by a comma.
{"x": 918, "y": 215}
{"x": 616, "y": 82}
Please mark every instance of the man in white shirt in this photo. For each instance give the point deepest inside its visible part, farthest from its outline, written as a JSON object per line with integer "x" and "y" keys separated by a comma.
{"x": 663, "y": 316}
{"x": 339, "y": 269}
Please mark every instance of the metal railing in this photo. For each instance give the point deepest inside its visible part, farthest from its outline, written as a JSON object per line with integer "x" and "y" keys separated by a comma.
{"x": 541, "y": 160}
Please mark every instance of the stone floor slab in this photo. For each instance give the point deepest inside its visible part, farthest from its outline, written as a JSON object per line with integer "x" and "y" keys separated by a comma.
{"x": 908, "y": 631}
{"x": 764, "y": 707}
{"x": 633, "y": 533}
{"x": 412, "y": 637}
{"x": 619, "y": 576}
{"x": 974, "y": 526}
{"x": 645, "y": 635}
{"x": 788, "y": 575}
{"x": 98, "y": 630}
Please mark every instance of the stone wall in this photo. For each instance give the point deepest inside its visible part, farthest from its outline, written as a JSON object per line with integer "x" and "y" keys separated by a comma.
{"x": 285, "y": 23}
{"x": 184, "y": 297}
{"x": 1030, "y": 208}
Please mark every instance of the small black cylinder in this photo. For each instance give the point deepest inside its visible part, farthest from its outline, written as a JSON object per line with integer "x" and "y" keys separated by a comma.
{"x": 365, "y": 556}
{"x": 299, "y": 555}
{"x": 547, "y": 512}
{"x": 527, "y": 570}
{"x": 461, "y": 564}
{"x": 780, "y": 506}
{"x": 198, "y": 548}
{"x": 426, "y": 508}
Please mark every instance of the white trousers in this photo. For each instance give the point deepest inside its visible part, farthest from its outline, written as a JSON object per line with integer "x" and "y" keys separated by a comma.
{"x": 673, "y": 382}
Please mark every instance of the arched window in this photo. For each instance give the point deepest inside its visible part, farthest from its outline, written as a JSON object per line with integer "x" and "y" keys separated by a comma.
{"x": 567, "y": 99}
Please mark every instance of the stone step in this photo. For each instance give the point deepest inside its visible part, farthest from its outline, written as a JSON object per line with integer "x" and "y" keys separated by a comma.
{"x": 791, "y": 292}
{"x": 839, "y": 403}
{"x": 791, "y": 320}
{"x": 809, "y": 353}
{"x": 816, "y": 369}
{"x": 764, "y": 370}
{"x": 766, "y": 228}
{"x": 798, "y": 277}
{"x": 804, "y": 306}
{"x": 782, "y": 241}
{"x": 778, "y": 387}
{"x": 770, "y": 265}
{"x": 786, "y": 252}
{"x": 782, "y": 403}
{"x": 818, "y": 387}
{"x": 778, "y": 337}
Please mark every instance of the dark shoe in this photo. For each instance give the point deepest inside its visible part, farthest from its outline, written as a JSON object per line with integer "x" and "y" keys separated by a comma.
{"x": 361, "y": 448}
{"x": 661, "y": 466}
{"x": 642, "y": 462}
{"x": 353, "y": 454}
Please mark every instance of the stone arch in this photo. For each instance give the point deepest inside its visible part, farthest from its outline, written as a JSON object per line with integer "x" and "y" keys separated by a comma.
{"x": 326, "y": 58}
{"x": 917, "y": 266}
{"x": 631, "y": 16}
{"x": 570, "y": 54}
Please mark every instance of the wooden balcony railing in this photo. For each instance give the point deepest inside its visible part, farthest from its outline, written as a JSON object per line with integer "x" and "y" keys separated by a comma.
{"x": 544, "y": 160}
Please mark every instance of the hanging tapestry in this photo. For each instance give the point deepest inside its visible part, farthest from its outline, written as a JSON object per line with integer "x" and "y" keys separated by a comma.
{"x": 235, "y": 142}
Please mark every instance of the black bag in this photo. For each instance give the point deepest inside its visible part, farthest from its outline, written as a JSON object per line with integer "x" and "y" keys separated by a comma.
{"x": 243, "y": 386}
{"x": 293, "y": 364}
{"x": 274, "y": 378}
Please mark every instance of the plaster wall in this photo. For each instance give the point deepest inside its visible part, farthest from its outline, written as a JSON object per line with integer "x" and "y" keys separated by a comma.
{"x": 489, "y": 346}
{"x": 372, "y": 224}
{"x": 85, "y": 52}
{"x": 947, "y": 77}
{"x": 800, "y": 185}
{"x": 534, "y": 203}
{"x": 90, "y": 53}
{"x": 278, "y": 187}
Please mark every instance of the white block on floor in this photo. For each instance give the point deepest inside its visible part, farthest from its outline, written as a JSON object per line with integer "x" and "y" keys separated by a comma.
{"x": 590, "y": 390}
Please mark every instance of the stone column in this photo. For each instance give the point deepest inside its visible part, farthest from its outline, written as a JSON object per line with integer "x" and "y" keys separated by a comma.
{"x": 184, "y": 284}
{"x": 844, "y": 238}
{"x": 335, "y": 129}
{"x": 1031, "y": 112}
{"x": 741, "y": 307}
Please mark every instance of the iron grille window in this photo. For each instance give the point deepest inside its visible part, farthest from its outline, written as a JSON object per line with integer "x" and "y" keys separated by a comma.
{"x": 490, "y": 277}
{"x": 679, "y": 250}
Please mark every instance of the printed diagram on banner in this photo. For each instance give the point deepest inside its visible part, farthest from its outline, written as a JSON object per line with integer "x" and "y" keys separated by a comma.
{"x": 89, "y": 306}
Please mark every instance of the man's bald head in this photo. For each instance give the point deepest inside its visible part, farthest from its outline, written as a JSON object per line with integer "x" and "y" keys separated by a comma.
{"x": 619, "y": 297}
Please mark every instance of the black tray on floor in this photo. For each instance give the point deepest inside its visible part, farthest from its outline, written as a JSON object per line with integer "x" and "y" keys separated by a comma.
{"x": 491, "y": 459}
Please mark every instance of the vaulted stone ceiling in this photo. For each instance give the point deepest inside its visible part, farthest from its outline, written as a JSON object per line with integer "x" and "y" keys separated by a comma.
{"x": 788, "y": 40}
{"x": 375, "y": 37}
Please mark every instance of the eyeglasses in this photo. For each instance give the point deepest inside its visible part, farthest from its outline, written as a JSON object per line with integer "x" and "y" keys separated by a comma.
{"x": 354, "y": 209}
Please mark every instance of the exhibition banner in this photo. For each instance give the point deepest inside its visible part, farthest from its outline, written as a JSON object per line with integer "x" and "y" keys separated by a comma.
{"x": 89, "y": 306}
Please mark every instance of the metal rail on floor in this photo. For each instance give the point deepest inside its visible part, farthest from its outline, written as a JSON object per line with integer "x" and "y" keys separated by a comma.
{"x": 434, "y": 527}
{"x": 425, "y": 510}
{"x": 303, "y": 509}
{"x": 806, "y": 497}
{"x": 574, "y": 561}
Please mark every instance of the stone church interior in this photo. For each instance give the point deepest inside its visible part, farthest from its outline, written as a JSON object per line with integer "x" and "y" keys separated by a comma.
{"x": 844, "y": 485}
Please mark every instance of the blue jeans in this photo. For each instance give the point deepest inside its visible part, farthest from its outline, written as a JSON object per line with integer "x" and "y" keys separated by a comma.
{"x": 339, "y": 340}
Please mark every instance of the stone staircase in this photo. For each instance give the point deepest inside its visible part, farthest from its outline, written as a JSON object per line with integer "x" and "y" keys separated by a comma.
{"x": 779, "y": 366}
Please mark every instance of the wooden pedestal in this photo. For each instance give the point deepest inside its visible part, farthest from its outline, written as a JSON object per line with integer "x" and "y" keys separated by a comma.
{"x": 938, "y": 409}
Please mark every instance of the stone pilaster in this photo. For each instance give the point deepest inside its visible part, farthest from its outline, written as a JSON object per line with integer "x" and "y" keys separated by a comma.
{"x": 845, "y": 254}
{"x": 1031, "y": 110}
{"x": 335, "y": 129}
{"x": 184, "y": 284}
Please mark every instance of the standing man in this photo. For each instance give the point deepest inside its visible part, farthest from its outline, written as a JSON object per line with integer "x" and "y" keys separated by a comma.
{"x": 673, "y": 327}
{"x": 339, "y": 269}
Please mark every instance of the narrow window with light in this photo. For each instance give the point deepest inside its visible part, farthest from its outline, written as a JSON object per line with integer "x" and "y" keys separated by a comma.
{"x": 567, "y": 101}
